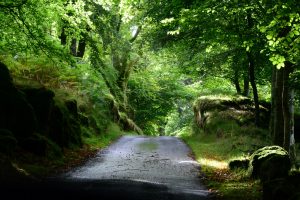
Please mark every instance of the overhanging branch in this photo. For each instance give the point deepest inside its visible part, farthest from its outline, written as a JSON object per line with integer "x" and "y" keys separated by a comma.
{"x": 136, "y": 34}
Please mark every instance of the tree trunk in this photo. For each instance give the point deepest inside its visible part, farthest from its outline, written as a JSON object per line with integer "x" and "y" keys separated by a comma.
{"x": 286, "y": 101}
{"x": 277, "y": 112}
{"x": 81, "y": 48}
{"x": 236, "y": 82}
{"x": 292, "y": 131}
{"x": 246, "y": 85}
{"x": 63, "y": 37}
{"x": 254, "y": 88}
{"x": 73, "y": 47}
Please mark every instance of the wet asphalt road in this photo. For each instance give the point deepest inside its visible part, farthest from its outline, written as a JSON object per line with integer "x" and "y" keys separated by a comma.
{"x": 134, "y": 167}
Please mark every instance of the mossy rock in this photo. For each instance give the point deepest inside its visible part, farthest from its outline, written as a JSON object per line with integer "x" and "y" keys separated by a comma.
{"x": 5, "y": 77}
{"x": 16, "y": 113}
{"x": 8, "y": 142}
{"x": 10, "y": 174}
{"x": 41, "y": 146}
{"x": 269, "y": 163}
{"x": 283, "y": 188}
{"x": 239, "y": 164}
{"x": 42, "y": 102}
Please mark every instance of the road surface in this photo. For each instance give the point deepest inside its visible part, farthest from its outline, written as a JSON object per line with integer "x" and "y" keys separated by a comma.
{"x": 134, "y": 167}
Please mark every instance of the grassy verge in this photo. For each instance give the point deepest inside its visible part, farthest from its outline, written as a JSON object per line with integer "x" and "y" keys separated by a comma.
{"x": 213, "y": 153}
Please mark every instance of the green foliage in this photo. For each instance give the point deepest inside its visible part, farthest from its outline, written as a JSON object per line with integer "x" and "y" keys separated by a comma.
{"x": 158, "y": 90}
{"x": 98, "y": 142}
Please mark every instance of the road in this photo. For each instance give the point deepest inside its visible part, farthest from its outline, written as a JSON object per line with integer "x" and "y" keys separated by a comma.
{"x": 134, "y": 167}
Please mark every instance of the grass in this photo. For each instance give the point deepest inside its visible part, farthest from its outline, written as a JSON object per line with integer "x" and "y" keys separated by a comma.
{"x": 226, "y": 136}
{"x": 213, "y": 154}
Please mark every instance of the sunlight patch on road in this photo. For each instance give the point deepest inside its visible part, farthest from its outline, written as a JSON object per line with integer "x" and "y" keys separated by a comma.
{"x": 188, "y": 161}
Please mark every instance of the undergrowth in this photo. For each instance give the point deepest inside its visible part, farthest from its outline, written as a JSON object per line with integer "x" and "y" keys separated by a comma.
{"x": 78, "y": 82}
{"x": 226, "y": 135}
{"x": 213, "y": 153}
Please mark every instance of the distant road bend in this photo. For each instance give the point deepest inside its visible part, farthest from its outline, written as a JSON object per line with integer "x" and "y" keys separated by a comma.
{"x": 134, "y": 167}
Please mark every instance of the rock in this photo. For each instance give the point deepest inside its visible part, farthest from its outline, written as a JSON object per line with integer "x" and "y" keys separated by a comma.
{"x": 35, "y": 144}
{"x": 10, "y": 174}
{"x": 269, "y": 163}
{"x": 64, "y": 127}
{"x": 16, "y": 114}
{"x": 84, "y": 120}
{"x": 42, "y": 102}
{"x": 239, "y": 164}
{"x": 278, "y": 189}
{"x": 8, "y": 142}
{"x": 72, "y": 123}
{"x": 283, "y": 188}
{"x": 5, "y": 80}
{"x": 72, "y": 107}
{"x": 27, "y": 110}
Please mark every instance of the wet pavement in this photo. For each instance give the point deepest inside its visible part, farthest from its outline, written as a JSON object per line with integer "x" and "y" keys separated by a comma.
{"x": 134, "y": 167}
{"x": 162, "y": 162}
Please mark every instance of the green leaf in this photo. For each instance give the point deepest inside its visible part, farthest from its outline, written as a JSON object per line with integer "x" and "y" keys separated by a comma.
{"x": 269, "y": 37}
{"x": 280, "y": 65}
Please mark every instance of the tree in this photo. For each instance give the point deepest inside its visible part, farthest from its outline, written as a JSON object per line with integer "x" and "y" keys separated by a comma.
{"x": 281, "y": 28}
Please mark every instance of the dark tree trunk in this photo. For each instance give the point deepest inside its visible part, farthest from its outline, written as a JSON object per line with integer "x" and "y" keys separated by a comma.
{"x": 254, "y": 88}
{"x": 236, "y": 82}
{"x": 73, "y": 47}
{"x": 63, "y": 37}
{"x": 277, "y": 112}
{"x": 286, "y": 110}
{"x": 81, "y": 48}
{"x": 293, "y": 155}
{"x": 246, "y": 85}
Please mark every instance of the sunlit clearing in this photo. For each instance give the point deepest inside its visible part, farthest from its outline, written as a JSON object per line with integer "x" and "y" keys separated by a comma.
{"x": 213, "y": 163}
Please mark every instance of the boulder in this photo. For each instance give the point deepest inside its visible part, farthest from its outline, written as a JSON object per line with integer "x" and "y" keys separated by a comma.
{"x": 42, "y": 102}
{"x": 239, "y": 164}
{"x": 64, "y": 127}
{"x": 16, "y": 114}
{"x": 35, "y": 144}
{"x": 8, "y": 142}
{"x": 270, "y": 163}
{"x": 283, "y": 188}
{"x": 10, "y": 174}
{"x": 5, "y": 80}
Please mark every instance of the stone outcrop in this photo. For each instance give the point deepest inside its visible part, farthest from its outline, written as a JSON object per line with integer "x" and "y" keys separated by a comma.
{"x": 269, "y": 163}
{"x": 31, "y": 117}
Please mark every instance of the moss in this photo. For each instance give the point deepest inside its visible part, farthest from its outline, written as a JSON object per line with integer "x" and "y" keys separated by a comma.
{"x": 8, "y": 142}
{"x": 269, "y": 162}
{"x": 238, "y": 164}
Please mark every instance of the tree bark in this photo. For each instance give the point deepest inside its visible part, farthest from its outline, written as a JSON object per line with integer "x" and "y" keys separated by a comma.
{"x": 246, "y": 85}
{"x": 73, "y": 47}
{"x": 286, "y": 110}
{"x": 63, "y": 37}
{"x": 292, "y": 147}
{"x": 277, "y": 112}
{"x": 81, "y": 48}
{"x": 254, "y": 88}
{"x": 236, "y": 82}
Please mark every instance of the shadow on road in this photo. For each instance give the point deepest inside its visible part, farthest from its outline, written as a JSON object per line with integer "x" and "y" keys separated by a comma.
{"x": 95, "y": 189}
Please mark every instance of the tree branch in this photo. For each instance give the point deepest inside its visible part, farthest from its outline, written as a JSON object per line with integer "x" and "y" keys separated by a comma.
{"x": 135, "y": 35}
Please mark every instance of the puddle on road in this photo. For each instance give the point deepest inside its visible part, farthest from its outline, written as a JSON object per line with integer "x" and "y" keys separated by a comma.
{"x": 148, "y": 146}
